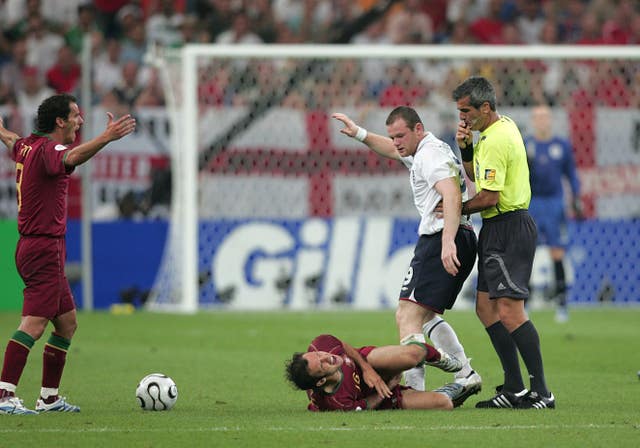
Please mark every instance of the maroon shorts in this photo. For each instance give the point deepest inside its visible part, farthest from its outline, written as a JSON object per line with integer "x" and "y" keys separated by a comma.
{"x": 40, "y": 263}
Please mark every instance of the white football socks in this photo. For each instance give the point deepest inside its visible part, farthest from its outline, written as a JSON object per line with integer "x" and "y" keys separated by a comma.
{"x": 443, "y": 337}
{"x": 414, "y": 378}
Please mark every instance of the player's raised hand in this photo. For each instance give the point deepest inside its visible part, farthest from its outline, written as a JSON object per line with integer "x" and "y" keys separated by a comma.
{"x": 122, "y": 126}
{"x": 464, "y": 136}
{"x": 350, "y": 128}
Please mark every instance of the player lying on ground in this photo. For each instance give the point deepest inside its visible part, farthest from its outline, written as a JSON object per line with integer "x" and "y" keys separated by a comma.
{"x": 338, "y": 377}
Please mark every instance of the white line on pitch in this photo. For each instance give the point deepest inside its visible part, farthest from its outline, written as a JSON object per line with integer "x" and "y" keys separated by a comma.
{"x": 294, "y": 429}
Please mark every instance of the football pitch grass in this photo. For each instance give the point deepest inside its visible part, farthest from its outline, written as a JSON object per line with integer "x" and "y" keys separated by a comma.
{"x": 229, "y": 368}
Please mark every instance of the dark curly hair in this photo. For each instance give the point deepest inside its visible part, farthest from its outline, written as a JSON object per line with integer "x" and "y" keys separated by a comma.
{"x": 298, "y": 374}
{"x": 53, "y": 107}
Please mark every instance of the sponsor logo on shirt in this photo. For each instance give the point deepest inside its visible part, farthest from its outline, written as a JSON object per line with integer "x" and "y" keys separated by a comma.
{"x": 60, "y": 147}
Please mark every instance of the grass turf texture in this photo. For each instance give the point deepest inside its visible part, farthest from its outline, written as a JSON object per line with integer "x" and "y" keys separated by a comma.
{"x": 229, "y": 371}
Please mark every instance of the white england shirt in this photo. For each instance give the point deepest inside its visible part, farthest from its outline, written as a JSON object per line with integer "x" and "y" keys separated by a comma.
{"x": 433, "y": 161}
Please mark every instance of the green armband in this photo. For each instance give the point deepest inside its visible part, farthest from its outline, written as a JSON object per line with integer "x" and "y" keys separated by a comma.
{"x": 467, "y": 153}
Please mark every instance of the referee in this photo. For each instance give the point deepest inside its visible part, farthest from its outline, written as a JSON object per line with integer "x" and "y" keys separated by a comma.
{"x": 506, "y": 244}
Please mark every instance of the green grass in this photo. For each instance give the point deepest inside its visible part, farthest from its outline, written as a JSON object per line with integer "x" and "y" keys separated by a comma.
{"x": 229, "y": 371}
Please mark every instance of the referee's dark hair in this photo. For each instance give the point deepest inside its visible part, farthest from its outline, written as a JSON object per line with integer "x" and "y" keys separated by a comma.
{"x": 478, "y": 89}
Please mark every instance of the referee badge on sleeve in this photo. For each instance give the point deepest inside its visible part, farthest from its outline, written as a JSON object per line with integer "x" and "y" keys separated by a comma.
{"x": 489, "y": 174}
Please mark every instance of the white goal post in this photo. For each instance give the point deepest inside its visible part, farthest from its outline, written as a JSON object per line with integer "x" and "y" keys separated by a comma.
{"x": 180, "y": 278}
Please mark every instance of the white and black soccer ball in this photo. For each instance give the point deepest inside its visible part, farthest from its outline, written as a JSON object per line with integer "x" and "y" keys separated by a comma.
{"x": 156, "y": 392}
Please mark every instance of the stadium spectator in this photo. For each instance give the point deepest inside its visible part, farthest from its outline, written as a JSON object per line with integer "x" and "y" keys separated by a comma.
{"x": 487, "y": 29}
{"x": 64, "y": 75}
{"x": 437, "y": 12}
{"x": 553, "y": 71}
{"x": 239, "y": 33}
{"x": 131, "y": 86}
{"x": 134, "y": 45}
{"x": 618, "y": 29}
{"x": 163, "y": 25}
{"x": 404, "y": 88}
{"x": 550, "y": 160}
{"x": 18, "y": 14}
{"x": 338, "y": 377}
{"x": 151, "y": 94}
{"x": 262, "y": 20}
{"x": 507, "y": 241}
{"x": 446, "y": 249}
{"x": 107, "y": 16}
{"x": 42, "y": 44}
{"x": 107, "y": 67}
{"x": 590, "y": 30}
{"x": 11, "y": 71}
{"x": 410, "y": 25}
{"x": 530, "y": 22}
{"x": 324, "y": 20}
{"x": 568, "y": 16}
{"x": 34, "y": 91}
{"x": 190, "y": 32}
{"x": 47, "y": 161}
{"x": 374, "y": 69}
{"x": 289, "y": 14}
{"x": 86, "y": 24}
{"x": 216, "y": 15}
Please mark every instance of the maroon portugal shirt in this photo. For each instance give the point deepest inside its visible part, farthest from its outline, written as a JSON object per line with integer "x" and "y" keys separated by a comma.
{"x": 351, "y": 392}
{"x": 42, "y": 181}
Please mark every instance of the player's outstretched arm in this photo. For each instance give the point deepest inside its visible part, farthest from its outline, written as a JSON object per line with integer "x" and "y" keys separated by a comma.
{"x": 378, "y": 143}
{"x": 7, "y": 137}
{"x": 115, "y": 130}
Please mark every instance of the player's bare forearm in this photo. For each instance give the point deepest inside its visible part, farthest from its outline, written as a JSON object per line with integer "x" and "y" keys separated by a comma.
{"x": 7, "y": 137}
{"x": 382, "y": 145}
{"x": 451, "y": 205}
{"x": 371, "y": 377}
{"x": 483, "y": 200}
{"x": 115, "y": 130}
{"x": 452, "y": 209}
{"x": 378, "y": 143}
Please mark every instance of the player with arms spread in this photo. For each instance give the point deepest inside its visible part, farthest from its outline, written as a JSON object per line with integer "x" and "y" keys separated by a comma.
{"x": 338, "y": 377}
{"x": 44, "y": 161}
{"x": 446, "y": 249}
{"x": 506, "y": 244}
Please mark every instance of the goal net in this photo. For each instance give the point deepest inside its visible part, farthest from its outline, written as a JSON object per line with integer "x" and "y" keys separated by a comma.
{"x": 272, "y": 207}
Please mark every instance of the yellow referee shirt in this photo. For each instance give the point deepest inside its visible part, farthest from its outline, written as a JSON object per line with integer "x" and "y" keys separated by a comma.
{"x": 500, "y": 164}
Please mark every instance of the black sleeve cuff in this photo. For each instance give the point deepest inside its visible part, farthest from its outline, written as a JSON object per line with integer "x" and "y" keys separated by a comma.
{"x": 467, "y": 153}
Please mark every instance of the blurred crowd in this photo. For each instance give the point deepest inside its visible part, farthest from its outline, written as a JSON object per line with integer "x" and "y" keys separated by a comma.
{"x": 41, "y": 41}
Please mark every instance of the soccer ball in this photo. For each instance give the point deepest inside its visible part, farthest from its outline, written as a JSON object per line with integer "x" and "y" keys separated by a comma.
{"x": 156, "y": 392}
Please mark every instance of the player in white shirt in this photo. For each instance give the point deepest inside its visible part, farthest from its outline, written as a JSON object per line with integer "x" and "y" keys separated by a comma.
{"x": 446, "y": 249}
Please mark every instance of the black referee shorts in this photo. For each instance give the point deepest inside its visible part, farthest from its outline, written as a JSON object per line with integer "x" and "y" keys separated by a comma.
{"x": 506, "y": 248}
{"x": 427, "y": 282}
